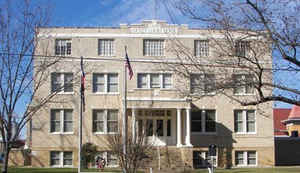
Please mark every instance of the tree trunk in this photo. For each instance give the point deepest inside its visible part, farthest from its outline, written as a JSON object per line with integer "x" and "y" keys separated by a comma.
{"x": 5, "y": 159}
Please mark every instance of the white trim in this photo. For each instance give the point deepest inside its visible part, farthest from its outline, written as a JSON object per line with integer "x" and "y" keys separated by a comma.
{"x": 245, "y": 158}
{"x": 112, "y": 35}
{"x": 62, "y": 78}
{"x": 138, "y": 59}
{"x": 105, "y": 74}
{"x": 61, "y": 119}
{"x": 156, "y": 99}
{"x": 105, "y": 122}
{"x": 61, "y": 159}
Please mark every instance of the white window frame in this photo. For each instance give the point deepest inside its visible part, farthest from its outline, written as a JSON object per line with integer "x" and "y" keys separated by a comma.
{"x": 244, "y": 119}
{"x": 62, "y": 111}
{"x": 162, "y": 84}
{"x": 242, "y": 77}
{"x": 65, "y": 43}
{"x": 157, "y": 47}
{"x": 105, "y": 123}
{"x": 204, "y": 78}
{"x": 108, "y": 51}
{"x": 62, "y": 79}
{"x": 61, "y": 160}
{"x": 106, "y": 84}
{"x": 203, "y": 122}
{"x": 104, "y": 155}
{"x": 201, "y": 48}
{"x": 245, "y": 159}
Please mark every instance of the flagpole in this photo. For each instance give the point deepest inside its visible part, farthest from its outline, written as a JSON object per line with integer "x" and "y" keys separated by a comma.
{"x": 124, "y": 119}
{"x": 80, "y": 127}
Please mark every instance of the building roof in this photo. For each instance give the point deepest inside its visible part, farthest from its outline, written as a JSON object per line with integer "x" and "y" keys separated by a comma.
{"x": 279, "y": 115}
{"x": 295, "y": 112}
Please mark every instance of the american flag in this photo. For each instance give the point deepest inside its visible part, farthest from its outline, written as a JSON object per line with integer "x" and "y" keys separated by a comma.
{"x": 130, "y": 72}
{"x": 82, "y": 87}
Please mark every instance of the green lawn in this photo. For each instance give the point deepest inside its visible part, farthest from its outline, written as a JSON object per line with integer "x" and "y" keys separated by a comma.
{"x": 54, "y": 170}
{"x": 239, "y": 170}
{"x": 254, "y": 170}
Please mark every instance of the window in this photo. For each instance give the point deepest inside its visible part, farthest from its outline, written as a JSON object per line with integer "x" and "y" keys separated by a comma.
{"x": 61, "y": 159}
{"x": 105, "y": 83}
{"x": 61, "y": 121}
{"x": 203, "y": 84}
{"x": 106, "y": 47}
{"x": 153, "y": 47}
{"x": 241, "y": 48}
{"x": 105, "y": 121}
{"x": 62, "y": 47}
{"x": 154, "y": 80}
{"x": 204, "y": 121}
{"x": 110, "y": 158}
{"x": 243, "y": 84}
{"x": 62, "y": 82}
{"x": 142, "y": 81}
{"x": 244, "y": 121}
{"x": 154, "y": 122}
{"x": 245, "y": 158}
{"x": 201, "y": 48}
{"x": 55, "y": 158}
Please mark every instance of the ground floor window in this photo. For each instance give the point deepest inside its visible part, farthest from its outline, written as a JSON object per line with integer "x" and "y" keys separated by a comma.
{"x": 245, "y": 158}
{"x": 61, "y": 158}
{"x": 201, "y": 159}
{"x": 203, "y": 121}
{"x": 111, "y": 159}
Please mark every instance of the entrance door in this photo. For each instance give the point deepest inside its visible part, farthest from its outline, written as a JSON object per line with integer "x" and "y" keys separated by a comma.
{"x": 157, "y": 125}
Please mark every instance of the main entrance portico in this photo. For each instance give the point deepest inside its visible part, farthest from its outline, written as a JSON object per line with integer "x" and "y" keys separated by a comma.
{"x": 161, "y": 122}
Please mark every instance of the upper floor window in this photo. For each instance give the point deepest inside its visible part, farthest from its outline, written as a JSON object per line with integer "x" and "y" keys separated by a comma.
{"x": 153, "y": 47}
{"x": 154, "y": 80}
{"x": 244, "y": 121}
{"x": 105, "y": 121}
{"x": 243, "y": 84}
{"x": 203, "y": 83}
{"x": 62, "y": 47}
{"x": 106, "y": 47}
{"x": 61, "y": 82}
{"x": 61, "y": 158}
{"x": 245, "y": 158}
{"x": 105, "y": 83}
{"x": 61, "y": 121}
{"x": 201, "y": 48}
{"x": 204, "y": 121}
{"x": 241, "y": 48}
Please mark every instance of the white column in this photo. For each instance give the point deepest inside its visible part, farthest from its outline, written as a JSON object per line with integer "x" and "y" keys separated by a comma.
{"x": 179, "y": 144}
{"x": 188, "y": 127}
{"x": 133, "y": 121}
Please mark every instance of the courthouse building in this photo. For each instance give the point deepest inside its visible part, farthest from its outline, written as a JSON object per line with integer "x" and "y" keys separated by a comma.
{"x": 180, "y": 126}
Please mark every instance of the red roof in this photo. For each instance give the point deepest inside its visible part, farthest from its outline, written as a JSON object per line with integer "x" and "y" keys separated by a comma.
{"x": 279, "y": 115}
{"x": 295, "y": 113}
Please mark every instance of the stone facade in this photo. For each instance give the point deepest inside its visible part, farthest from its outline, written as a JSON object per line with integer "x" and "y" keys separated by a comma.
{"x": 170, "y": 113}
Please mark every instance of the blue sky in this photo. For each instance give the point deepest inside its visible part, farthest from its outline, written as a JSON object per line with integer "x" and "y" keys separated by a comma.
{"x": 111, "y": 12}
{"x": 100, "y": 12}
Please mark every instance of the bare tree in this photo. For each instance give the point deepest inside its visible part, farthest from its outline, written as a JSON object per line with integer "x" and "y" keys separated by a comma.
{"x": 253, "y": 46}
{"x": 138, "y": 150}
{"x": 21, "y": 76}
